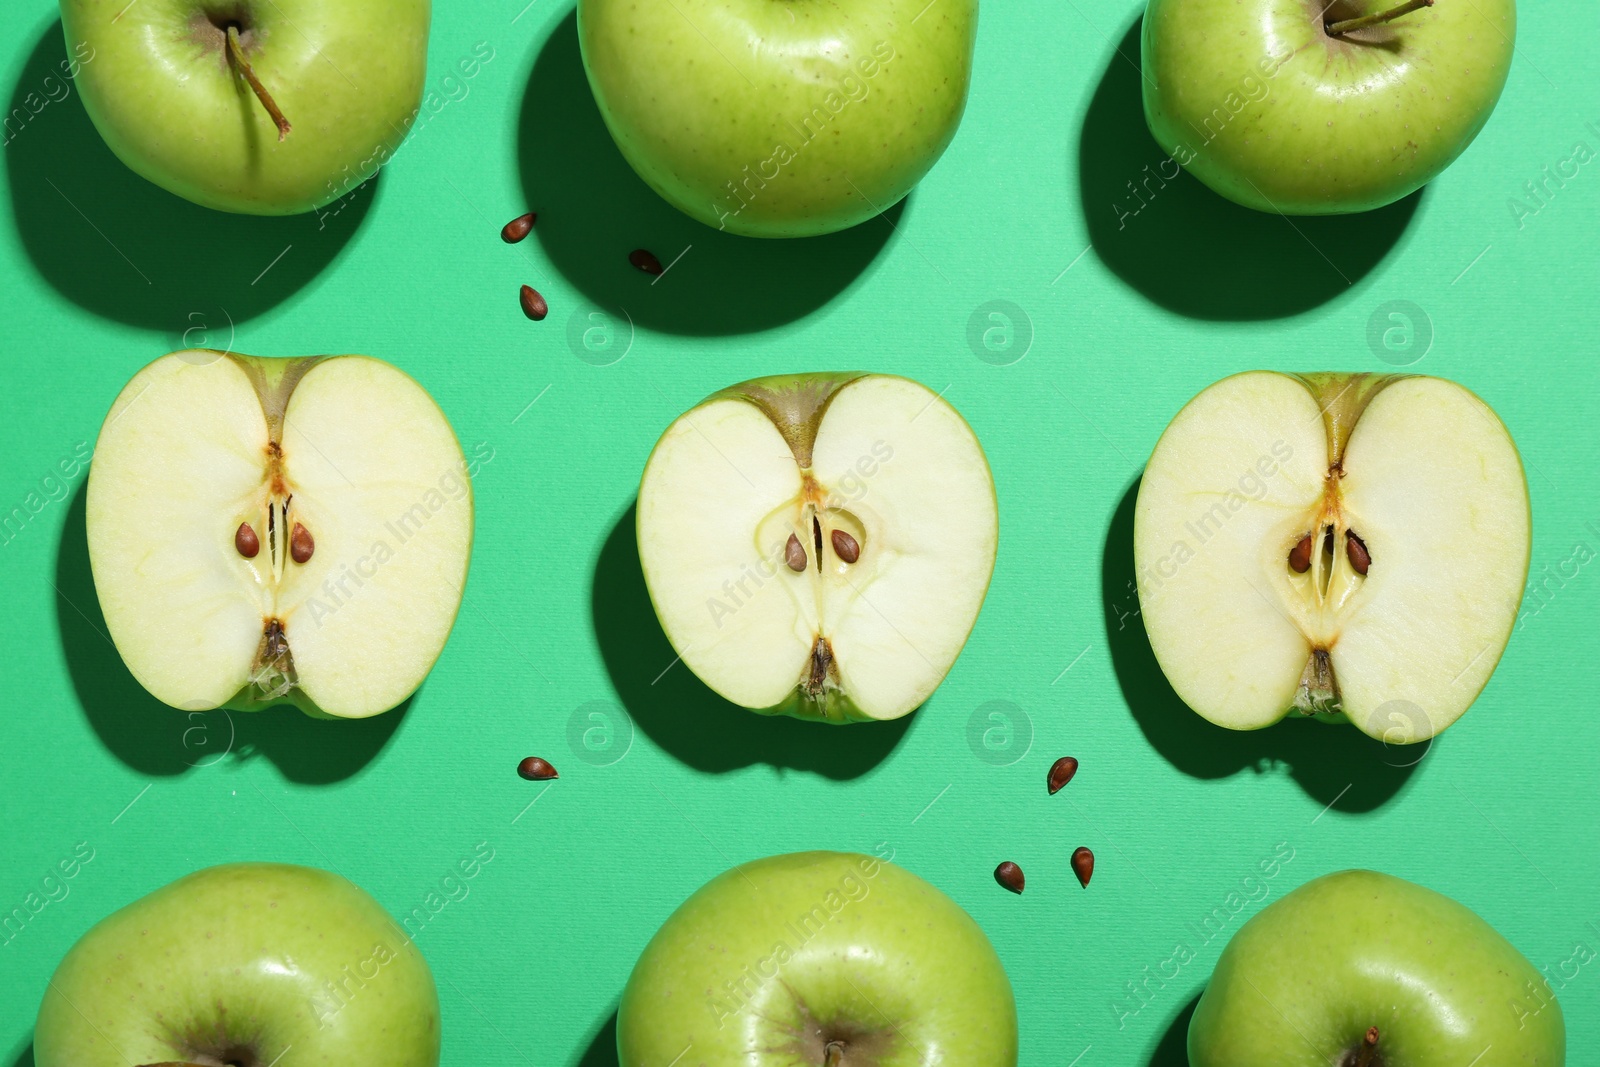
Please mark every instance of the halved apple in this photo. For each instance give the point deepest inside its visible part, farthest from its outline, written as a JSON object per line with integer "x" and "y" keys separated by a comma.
{"x": 1348, "y": 546}
{"x": 819, "y": 545}
{"x": 268, "y": 531}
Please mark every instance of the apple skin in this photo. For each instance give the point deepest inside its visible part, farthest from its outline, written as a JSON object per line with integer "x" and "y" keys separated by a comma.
{"x": 348, "y": 75}
{"x": 709, "y": 101}
{"x": 243, "y": 959}
{"x": 733, "y": 977}
{"x": 1301, "y": 982}
{"x": 1302, "y": 123}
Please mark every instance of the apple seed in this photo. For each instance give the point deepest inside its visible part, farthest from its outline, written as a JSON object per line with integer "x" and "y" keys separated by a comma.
{"x": 1356, "y": 550}
{"x": 794, "y": 554}
{"x": 1061, "y": 772}
{"x": 645, "y": 260}
{"x": 533, "y": 305}
{"x": 300, "y": 544}
{"x": 846, "y": 546}
{"x": 1300, "y": 555}
{"x": 535, "y": 769}
{"x": 1009, "y": 875}
{"x": 1083, "y": 865}
{"x": 518, "y": 228}
{"x": 246, "y": 541}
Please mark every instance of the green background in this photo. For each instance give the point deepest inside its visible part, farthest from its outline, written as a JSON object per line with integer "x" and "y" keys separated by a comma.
{"x": 1115, "y": 328}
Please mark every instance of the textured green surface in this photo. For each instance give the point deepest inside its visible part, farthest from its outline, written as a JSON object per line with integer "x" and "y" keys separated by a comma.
{"x": 102, "y": 273}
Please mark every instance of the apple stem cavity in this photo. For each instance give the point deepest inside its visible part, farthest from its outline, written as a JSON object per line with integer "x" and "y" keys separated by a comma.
{"x": 1344, "y": 26}
{"x": 236, "y": 50}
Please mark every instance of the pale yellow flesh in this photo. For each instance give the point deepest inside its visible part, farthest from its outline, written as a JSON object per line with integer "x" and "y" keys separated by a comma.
{"x": 375, "y": 474}
{"x": 894, "y": 466}
{"x": 1432, "y": 484}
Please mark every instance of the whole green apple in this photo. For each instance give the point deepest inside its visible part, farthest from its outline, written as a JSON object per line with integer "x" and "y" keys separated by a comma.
{"x": 249, "y": 965}
{"x": 1359, "y": 969}
{"x": 1307, "y": 107}
{"x": 780, "y": 118}
{"x": 818, "y": 959}
{"x": 266, "y": 107}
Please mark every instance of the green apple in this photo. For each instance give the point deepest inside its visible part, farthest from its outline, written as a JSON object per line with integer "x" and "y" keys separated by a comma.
{"x": 267, "y": 107}
{"x": 1308, "y": 107}
{"x": 819, "y": 545}
{"x": 1359, "y": 969}
{"x": 1349, "y": 546}
{"x": 247, "y": 965}
{"x": 267, "y": 531}
{"x": 780, "y": 118}
{"x": 818, "y": 959}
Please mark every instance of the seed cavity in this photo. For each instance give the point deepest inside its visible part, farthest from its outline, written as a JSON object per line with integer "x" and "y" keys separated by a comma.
{"x": 847, "y": 547}
{"x": 1300, "y": 555}
{"x": 300, "y": 544}
{"x": 246, "y": 541}
{"x": 1355, "y": 550}
{"x": 816, "y": 540}
{"x": 794, "y": 554}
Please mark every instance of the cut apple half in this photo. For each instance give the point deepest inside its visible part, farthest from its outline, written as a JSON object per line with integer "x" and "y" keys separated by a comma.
{"x": 1348, "y": 546}
{"x": 267, "y": 531}
{"x": 819, "y": 545}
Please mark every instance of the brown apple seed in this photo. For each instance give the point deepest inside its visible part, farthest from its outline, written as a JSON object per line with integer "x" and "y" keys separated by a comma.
{"x": 1300, "y": 555}
{"x": 1009, "y": 875}
{"x": 518, "y": 228}
{"x": 794, "y": 554}
{"x": 1356, "y": 550}
{"x": 1083, "y": 865}
{"x": 645, "y": 260}
{"x": 1061, "y": 772}
{"x": 535, "y": 769}
{"x": 246, "y": 541}
{"x": 300, "y": 544}
{"x": 847, "y": 548}
{"x": 533, "y": 305}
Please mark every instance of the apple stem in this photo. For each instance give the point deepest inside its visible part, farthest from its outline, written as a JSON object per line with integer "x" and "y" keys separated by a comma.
{"x": 833, "y": 1054}
{"x": 237, "y": 51}
{"x": 1368, "y": 1045}
{"x": 1336, "y": 29}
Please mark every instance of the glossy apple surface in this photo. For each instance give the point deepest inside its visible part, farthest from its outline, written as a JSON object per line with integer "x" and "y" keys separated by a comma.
{"x": 1261, "y": 103}
{"x": 249, "y": 965}
{"x": 1303, "y": 981}
{"x": 162, "y": 90}
{"x": 776, "y": 118}
{"x": 814, "y": 959}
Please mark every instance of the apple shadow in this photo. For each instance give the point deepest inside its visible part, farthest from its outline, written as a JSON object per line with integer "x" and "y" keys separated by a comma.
{"x": 594, "y": 210}
{"x": 1173, "y": 1048}
{"x": 602, "y": 1051}
{"x": 123, "y": 248}
{"x": 25, "y": 1058}
{"x": 1337, "y": 765}
{"x": 1193, "y": 252}
{"x": 156, "y": 739}
{"x": 685, "y": 717}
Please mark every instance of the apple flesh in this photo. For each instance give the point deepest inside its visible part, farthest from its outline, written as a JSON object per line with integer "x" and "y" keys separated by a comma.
{"x": 780, "y": 118}
{"x": 819, "y": 545}
{"x": 269, "y": 531}
{"x": 1302, "y": 983}
{"x": 174, "y": 104}
{"x": 1258, "y": 100}
{"x": 1349, "y": 546}
{"x": 818, "y": 959}
{"x": 244, "y": 965}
